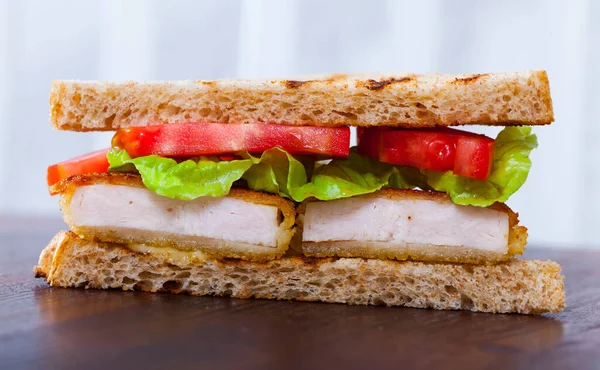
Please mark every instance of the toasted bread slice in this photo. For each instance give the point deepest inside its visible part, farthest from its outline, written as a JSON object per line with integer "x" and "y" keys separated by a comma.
{"x": 413, "y": 101}
{"x": 118, "y": 208}
{"x": 410, "y": 224}
{"x": 528, "y": 287}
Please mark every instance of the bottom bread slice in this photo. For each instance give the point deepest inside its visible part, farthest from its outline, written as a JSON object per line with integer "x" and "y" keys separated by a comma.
{"x": 520, "y": 286}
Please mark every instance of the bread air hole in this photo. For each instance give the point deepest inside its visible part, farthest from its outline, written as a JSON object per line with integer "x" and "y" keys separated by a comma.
{"x": 204, "y": 112}
{"x": 183, "y": 275}
{"x": 126, "y": 280}
{"x": 389, "y": 295}
{"x": 109, "y": 120}
{"x": 172, "y": 285}
{"x": 378, "y": 301}
{"x": 346, "y": 114}
{"x": 166, "y": 109}
{"x": 172, "y": 267}
{"x": 148, "y": 275}
{"x": 143, "y": 285}
{"x": 466, "y": 303}
{"x": 450, "y": 289}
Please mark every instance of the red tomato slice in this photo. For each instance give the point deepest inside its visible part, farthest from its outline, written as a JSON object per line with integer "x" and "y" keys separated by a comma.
{"x": 194, "y": 139}
{"x": 88, "y": 163}
{"x": 369, "y": 141}
{"x": 474, "y": 156}
{"x": 429, "y": 150}
{"x": 465, "y": 153}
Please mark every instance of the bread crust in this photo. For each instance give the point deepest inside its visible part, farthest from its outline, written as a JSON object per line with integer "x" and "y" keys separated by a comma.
{"x": 412, "y": 101}
{"x": 214, "y": 247}
{"x": 517, "y": 237}
{"x": 520, "y": 286}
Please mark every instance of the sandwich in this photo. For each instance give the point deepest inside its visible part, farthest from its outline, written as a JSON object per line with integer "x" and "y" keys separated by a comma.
{"x": 251, "y": 189}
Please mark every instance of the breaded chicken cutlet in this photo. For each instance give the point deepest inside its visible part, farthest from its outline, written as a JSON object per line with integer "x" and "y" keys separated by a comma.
{"x": 118, "y": 208}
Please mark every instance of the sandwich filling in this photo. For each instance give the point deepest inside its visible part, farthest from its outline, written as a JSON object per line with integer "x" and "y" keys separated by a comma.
{"x": 184, "y": 187}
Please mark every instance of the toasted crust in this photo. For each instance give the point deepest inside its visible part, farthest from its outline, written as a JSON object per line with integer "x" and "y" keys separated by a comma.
{"x": 213, "y": 247}
{"x": 517, "y": 237}
{"x": 529, "y": 287}
{"x": 405, "y": 101}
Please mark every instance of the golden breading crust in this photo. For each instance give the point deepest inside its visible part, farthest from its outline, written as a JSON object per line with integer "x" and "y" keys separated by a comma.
{"x": 517, "y": 237}
{"x": 413, "y": 101}
{"x": 213, "y": 247}
{"x": 520, "y": 286}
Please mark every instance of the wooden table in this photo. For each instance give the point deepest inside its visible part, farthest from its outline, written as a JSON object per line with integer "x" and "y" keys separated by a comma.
{"x": 52, "y": 328}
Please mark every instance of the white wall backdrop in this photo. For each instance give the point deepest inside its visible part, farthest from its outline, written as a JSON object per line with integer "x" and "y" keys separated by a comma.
{"x": 165, "y": 40}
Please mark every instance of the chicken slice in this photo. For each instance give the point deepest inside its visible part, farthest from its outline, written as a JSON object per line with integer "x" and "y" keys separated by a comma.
{"x": 409, "y": 224}
{"x": 117, "y": 208}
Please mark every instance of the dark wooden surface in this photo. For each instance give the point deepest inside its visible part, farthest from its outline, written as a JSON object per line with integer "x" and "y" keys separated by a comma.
{"x": 52, "y": 328}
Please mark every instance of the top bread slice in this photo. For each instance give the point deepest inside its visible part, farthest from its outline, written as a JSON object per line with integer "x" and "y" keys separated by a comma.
{"x": 412, "y": 101}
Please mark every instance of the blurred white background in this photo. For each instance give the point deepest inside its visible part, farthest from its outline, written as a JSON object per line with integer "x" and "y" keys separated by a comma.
{"x": 166, "y": 40}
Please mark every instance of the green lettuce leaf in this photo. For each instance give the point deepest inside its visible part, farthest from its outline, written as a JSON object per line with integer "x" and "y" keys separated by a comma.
{"x": 186, "y": 180}
{"x": 509, "y": 171}
{"x": 277, "y": 171}
{"x": 355, "y": 175}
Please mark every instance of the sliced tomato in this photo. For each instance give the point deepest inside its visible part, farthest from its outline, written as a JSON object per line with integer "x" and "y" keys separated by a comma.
{"x": 424, "y": 149}
{"x": 369, "y": 140}
{"x": 474, "y": 156}
{"x": 88, "y": 163}
{"x": 194, "y": 139}
{"x": 465, "y": 153}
